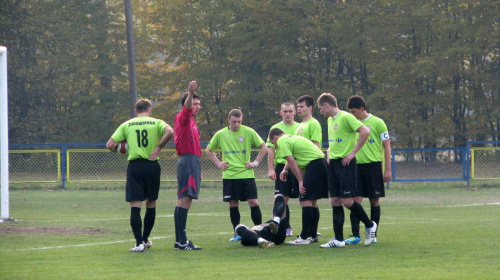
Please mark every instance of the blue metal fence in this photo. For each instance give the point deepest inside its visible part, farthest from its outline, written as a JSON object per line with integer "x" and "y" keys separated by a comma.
{"x": 408, "y": 165}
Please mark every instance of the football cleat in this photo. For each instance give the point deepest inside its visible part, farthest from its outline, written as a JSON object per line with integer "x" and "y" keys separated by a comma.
{"x": 374, "y": 240}
{"x": 189, "y": 246}
{"x": 148, "y": 244}
{"x": 274, "y": 227}
{"x": 333, "y": 243}
{"x": 235, "y": 238}
{"x": 300, "y": 241}
{"x": 352, "y": 240}
{"x": 289, "y": 232}
{"x": 371, "y": 234}
{"x": 263, "y": 243}
{"x": 314, "y": 239}
{"x": 139, "y": 248}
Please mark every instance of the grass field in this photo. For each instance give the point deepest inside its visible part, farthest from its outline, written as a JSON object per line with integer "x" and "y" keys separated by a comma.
{"x": 427, "y": 231}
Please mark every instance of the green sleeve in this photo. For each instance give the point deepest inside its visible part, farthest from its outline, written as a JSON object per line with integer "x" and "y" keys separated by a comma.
{"x": 316, "y": 133}
{"x": 214, "y": 142}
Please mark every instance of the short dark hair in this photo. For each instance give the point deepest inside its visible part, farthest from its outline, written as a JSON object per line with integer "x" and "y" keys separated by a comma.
{"x": 143, "y": 105}
{"x": 327, "y": 98}
{"x": 307, "y": 99}
{"x": 287, "y": 103}
{"x": 275, "y": 132}
{"x": 235, "y": 112}
{"x": 185, "y": 96}
{"x": 356, "y": 102}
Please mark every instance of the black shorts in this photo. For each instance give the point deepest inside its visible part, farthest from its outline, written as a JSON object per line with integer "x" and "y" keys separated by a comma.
{"x": 370, "y": 180}
{"x": 239, "y": 189}
{"x": 289, "y": 188}
{"x": 188, "y": 176}
{"x": 342, "y": 179}
{"x": 315, "y": 180}
{"x": 143, "y": 180}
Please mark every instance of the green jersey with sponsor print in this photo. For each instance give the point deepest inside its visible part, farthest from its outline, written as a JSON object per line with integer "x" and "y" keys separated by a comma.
{"x": 303, "y": 150}
{"x": 372, "y": 150}
{"x": 142, "y": 135}
{"x": 287, "y": 129}
{"x": 236, "y": 150}
{"x": 310, "y": 129}
{"x": 342, "y": 134}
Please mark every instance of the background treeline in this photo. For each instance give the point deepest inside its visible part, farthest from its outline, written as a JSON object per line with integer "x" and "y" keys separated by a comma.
{"x": 431, "y": 69}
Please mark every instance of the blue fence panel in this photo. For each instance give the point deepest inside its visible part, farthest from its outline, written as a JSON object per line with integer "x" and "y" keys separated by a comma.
{"x": 431, "y": 164}
{"x": 408, "y": 165}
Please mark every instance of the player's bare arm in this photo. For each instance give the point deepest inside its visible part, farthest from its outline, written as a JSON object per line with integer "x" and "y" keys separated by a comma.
{"x": 290, "y": 160}
{"x": 363, "y": 135}
{"x": 284, "y": 172}
{"x": 111, "y": 145}
{"x": 189, "y": 100}
{"x": 220, "y": 164}
{"x": 260, "y": 156}
{"x": 387, "y": 155}
{"x": 270, "y": 163}
{"x": 317, "y": 144}
{"x": 169, "y": 134}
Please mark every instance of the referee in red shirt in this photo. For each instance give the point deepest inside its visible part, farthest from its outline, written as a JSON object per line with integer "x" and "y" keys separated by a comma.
{"x": 187, "y": 144}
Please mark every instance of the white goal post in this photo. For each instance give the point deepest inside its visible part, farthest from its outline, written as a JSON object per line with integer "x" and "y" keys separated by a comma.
{"x": 4, "y": 137}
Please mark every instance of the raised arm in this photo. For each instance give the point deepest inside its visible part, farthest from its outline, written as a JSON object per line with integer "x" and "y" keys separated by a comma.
{"x": 189, "y": 100}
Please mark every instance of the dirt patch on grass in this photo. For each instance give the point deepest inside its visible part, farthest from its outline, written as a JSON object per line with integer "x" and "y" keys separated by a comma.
{"x": 50, "y": 230}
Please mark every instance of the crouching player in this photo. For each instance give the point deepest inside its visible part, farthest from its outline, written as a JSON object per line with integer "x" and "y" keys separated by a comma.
{"x": 270, "y": 233}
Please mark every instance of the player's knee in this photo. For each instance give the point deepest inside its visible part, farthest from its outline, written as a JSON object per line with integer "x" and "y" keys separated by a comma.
{"x": 279, "y": 198}
{"x": 240, "y": 229}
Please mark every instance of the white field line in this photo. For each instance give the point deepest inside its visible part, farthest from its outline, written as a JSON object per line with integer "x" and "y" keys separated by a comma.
{"x": 245, "y": 215}
{"x": 472, "y": 205}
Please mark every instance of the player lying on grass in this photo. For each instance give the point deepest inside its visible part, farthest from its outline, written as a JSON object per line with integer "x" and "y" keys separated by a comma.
{"x": 270, "y": 233}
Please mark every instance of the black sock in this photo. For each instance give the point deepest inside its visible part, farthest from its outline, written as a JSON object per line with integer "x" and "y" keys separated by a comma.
{"x": 375, "y": 214}
{"x": 358, "y": 210}
{"x": 338, "y": 222}
{"x": 354, "y": 224}
{"x": 136, "y": 224}
{"x": 248, "y": 238}
{"x": 307, "y": 221}
{"x": 315, "y": 221}
{"x": 288, "y": 215}
{"x": 175, "y": 225}
{"x": 234, "y": 214}
{"x": 279, "y": 206}
{"x": 256, "y": 215}
{"x": 181, "y": 224}
{"x": 149, "y": 222}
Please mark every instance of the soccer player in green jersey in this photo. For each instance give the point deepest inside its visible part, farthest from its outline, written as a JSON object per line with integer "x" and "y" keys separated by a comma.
{"x": 310, "y": 128}
{"x": 288, "y": 189}
{"x": 342, "y": 128}
{"x": 146, "y": 137}
{"x": 238, "y": 178}
{"x": 371, "y": 178}
{"x": 308, "y": 164}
